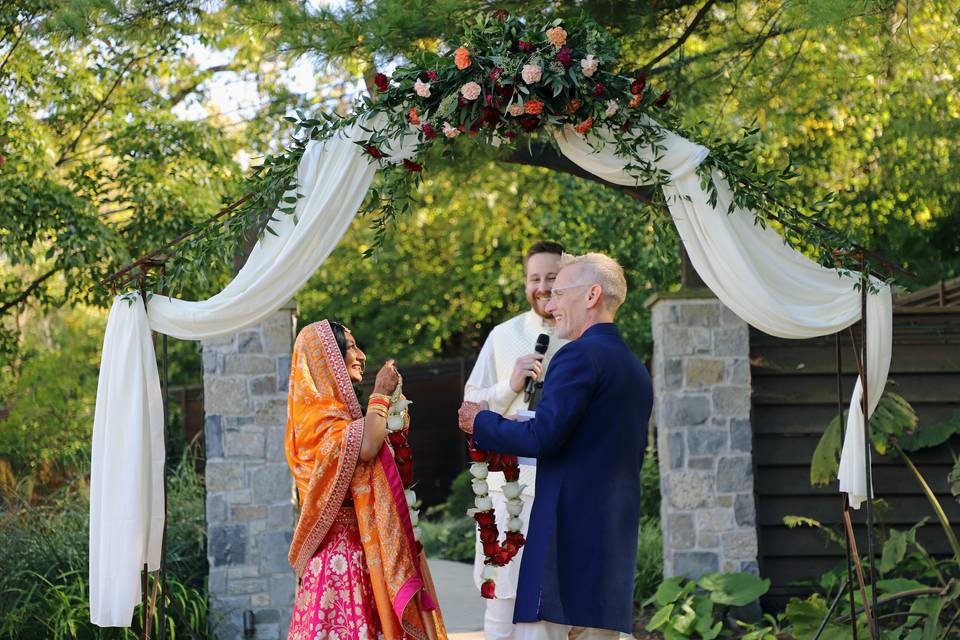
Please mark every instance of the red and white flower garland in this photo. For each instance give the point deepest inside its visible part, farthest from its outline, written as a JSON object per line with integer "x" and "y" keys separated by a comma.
{"x": 496, "y": 554}
{"x": 402, "y": 455}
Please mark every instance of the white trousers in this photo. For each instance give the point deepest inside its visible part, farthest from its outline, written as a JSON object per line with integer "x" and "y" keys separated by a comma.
{"x": 498, "y": 619}
{"x": 551, "y": 631}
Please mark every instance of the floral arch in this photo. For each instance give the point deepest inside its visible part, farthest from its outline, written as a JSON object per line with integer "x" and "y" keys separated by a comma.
{"x": 510, "y": 79}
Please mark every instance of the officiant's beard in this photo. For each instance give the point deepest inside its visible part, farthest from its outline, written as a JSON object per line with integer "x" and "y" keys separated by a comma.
{"x": 539, "y": 306}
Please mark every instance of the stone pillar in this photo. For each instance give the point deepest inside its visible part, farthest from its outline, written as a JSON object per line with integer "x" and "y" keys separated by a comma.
{"x": 701, "y": 373}
{"x": 250, "y": 515}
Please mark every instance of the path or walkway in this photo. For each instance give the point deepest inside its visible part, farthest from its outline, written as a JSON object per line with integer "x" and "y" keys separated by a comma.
{"x": 460, "y": 601}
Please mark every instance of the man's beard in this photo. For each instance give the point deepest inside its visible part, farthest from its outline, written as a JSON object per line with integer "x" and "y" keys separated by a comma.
{"x": 538, "y": 304}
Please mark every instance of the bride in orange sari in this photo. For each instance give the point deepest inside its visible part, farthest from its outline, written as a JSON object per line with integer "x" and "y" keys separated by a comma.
{"x": 361, "y": 573}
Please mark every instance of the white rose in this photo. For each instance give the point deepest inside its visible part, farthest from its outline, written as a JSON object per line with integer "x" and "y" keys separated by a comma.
{"x": 394, "y": 423}
{"x": 484, "y": 503}
{"x": 514, "y": 524}
{"x": 478, "y": 470}
{"x": 414, "y": 516}
{"x": 589, "y": 65}
{"x": 612, "y": 108}
{"x": 480, "y": 487}
{"x": 512, "y": 490}
{"x": 489, "y": 572}
{"x": 515, "y": 507}
{"x": 410, "y": 496}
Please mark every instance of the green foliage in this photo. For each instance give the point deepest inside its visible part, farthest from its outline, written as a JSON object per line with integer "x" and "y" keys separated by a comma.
{"x": 649, "y": 560}
{"x": 447, "y": 531}
{"x": 695, "y": 608}
{"x": 43, "y": 570}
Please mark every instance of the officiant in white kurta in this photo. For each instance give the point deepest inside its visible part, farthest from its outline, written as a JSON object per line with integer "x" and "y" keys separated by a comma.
{"x": 506, "y": 360}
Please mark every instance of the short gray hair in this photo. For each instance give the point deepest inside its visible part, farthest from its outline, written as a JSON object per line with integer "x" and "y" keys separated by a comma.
{"x": 604, "y": 271}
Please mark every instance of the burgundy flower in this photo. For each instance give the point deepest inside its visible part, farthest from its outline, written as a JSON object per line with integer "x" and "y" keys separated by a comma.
{"x": 598, "y": 89}
{"x": 504, "y": 90}
{"x": 525, "y": 46}
{"x": 662, "y": 100}
{"x": 489, "y": 534}
{"x": 397, "y": 438}
{"x": 478, "y": 456}
{"x": 487, "y": 589}
{"x": 515, "y": 538}
{"x": 502, "y": 557}
{"x": 461, "y": 100}
{"x": 428, "y": 132}
{"x": 485, "y": 518}
{"x": 431, "y": 75}
{"x": 636, "y": 87}
{"x": 510, "y": 135}
{"x": 489, "y": 116}
{"x": 412, "y": 166}
{"x": 529, "y": 123}
{"x": 564, "y": 56}
{"x": 500, "y": 15}
{"x": 382, "y": 82}
{"x": 373, "y": 151}
{"x": 491, "y": 548}
{"x": 495, "y": 73}
{"x": 511, "y": 474}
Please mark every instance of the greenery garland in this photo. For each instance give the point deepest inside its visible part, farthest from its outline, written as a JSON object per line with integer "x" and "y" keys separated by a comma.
{"x": 510, "y": 80}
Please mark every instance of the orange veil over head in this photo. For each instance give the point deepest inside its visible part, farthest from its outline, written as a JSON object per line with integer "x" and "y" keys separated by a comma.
{"x": 324, "y": 432}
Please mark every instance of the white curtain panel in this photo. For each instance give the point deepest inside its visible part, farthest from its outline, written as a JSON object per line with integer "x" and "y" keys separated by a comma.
{"x": 126, "y": 489}
{"x": 750, "y": 269}
{"x": 757, "y": 275}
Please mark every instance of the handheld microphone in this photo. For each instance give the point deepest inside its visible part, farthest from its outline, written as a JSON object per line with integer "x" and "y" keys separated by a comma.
{"x": 530, "y": 388}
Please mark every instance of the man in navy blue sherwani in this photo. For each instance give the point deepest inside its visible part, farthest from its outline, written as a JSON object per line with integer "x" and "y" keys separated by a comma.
{"x": 589, "y": 436}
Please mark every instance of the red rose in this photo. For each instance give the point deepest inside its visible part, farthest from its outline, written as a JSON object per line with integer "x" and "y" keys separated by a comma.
{"x": 511, "y": 474}
{"x": 507, "y": 546}
{"x": 490, "y": 548}
{"x": 485, "y": 518}
{"x": 431, "y": 75}
{"x": 478, "y": 456}
{"x": 373, "y": 151}
{"x": 509, "y": 135}
{"x": 515, "y": 538}
{"x": 428, "y": 132}
{"x": 412, "y": 166}
{"x": 397, "y": 438}
{"x": 489, "y": 534}
{"x": 487, "y": 589}
{"x": 382, "y": 83}
{"x": 493, "y": 461}
{"x": 598, "y": 89}
{"x": 563, "y": 56}
{"x": 662, "y": 100}
{"x": 509, "y": 461}
{"x": 489, "y": 116}
{"x": 502, "y": 558}
{"x": 636, "y": 87}
{"x": 523, "y": 45}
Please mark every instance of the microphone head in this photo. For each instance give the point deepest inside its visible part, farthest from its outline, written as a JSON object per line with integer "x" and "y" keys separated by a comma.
{"x": 543, "y": 341}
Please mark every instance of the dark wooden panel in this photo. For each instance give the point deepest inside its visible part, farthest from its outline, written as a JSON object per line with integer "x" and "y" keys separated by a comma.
{"x": 794, "y": 398}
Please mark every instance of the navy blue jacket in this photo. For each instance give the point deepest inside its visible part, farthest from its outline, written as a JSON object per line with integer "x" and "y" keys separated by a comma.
{"x": 589, "y": 438}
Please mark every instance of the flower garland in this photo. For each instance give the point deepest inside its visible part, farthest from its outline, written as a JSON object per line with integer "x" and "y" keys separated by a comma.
{"x": 397, "y": 420}
{"x": 496, "y": 554}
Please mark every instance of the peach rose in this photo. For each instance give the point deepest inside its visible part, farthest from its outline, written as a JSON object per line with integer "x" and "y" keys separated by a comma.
{"x": 557, "y": 36}
{"x": 461, "y": 57}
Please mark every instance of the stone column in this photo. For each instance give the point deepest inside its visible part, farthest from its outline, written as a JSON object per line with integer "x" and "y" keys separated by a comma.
{"x": 250, "y": 515}
{"x": 701, "y": 373}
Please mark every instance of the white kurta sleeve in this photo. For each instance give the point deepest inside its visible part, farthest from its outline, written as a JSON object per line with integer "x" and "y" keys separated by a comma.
{"x": 483, "y": 386}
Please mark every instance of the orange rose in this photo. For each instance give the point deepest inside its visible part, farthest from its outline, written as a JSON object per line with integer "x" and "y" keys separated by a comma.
{"x": 461, "y": 57}
{"x": 533, "y": 107}
{"x": 412, "y": 116}
{"x": 557, "y": 36}
{"x": 584, "y": 126}
{"x": 635, "y": 101}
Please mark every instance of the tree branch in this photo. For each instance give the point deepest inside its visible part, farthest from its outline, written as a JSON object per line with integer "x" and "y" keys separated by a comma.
{"x": 23, "y": 295}
{"x": 683, "y": 37}
{"x": 16, "y": 42}
{"x": 542, "y": 154}
{"x": 70, "y": 148}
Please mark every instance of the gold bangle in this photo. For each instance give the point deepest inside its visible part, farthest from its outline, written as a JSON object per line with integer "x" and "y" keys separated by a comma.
{"x": 377, "y": 411}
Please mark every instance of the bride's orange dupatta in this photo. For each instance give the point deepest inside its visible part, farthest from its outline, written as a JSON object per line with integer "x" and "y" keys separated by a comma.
{"x": 324, "y": 432}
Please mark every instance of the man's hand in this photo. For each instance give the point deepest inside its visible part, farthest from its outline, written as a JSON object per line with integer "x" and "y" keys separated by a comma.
{"x": 468, "y": 411}
{"x": 529, "y": 366}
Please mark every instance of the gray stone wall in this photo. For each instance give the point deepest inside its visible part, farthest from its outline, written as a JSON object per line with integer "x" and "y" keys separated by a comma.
{"x": 250, "y": 515}
{"x": 702, "y": 408}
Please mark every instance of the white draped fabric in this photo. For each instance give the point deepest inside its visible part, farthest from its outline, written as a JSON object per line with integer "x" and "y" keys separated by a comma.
{"x": 760, "y": 278}
{"x": 765, "y": 282}
{"x": 126, "y": 489}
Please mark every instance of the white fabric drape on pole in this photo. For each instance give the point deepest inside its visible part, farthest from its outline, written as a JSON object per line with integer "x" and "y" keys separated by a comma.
{"x": 751, "y": 270}
{"x": 126, "y": 487}
{"x": 760, "y": 278}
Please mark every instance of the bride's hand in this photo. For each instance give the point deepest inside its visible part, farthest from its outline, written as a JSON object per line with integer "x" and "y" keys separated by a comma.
{"x": 387, "y": 378}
